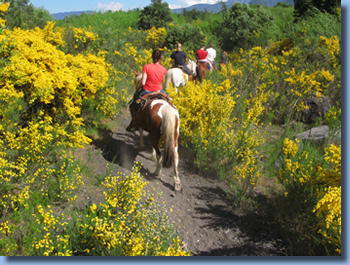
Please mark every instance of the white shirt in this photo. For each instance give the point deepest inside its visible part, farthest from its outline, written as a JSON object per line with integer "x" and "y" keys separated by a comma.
{"x": 211, "y": 54}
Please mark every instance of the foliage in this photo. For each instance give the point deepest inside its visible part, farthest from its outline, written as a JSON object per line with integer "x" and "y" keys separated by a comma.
{"x": 242, "y": 25}
{"x": 314, "y": 188}
{"x": 305, "y": 7}
{"x": 44, "y": 93}
{"x": 229, "y": 146}
{"x": 193, "y": 14}
{"x": 191, "y": 36}
{"x": 155, "y": 15}
{"x": 23, "y": 14}
{"x": 74, "y": 74}
{"x": 129, "y": 223}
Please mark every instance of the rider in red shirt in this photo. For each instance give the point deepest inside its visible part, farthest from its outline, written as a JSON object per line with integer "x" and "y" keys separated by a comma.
{"x": 152, "y": 81}
{"x": 201, "y": 54}
{"x": 152, "y": 77}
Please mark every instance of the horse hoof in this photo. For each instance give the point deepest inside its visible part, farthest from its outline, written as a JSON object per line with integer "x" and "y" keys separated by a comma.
{"x": 178, "y": 188}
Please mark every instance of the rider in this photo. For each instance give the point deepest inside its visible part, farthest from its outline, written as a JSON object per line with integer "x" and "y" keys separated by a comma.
{"x": 223, "y": 58}
{"x": 179, "y": 58}
{"x": 211, "y": 55}
{"x": 201, "y": 56}
{"x": 152, "y": 81}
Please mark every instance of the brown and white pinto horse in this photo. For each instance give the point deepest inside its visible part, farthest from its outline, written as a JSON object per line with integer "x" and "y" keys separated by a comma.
{"x": 160, "y": 117}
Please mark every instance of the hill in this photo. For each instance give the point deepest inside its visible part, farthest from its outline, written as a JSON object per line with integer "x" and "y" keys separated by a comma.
{"x": 217, "y": 7}
{"x": 201, "y": 7}
{"x": 62, "y": 15}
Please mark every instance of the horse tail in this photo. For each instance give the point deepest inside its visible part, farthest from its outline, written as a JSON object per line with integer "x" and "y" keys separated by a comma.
{"x": 170, "y": 129}
{"x": 199, "y": 73}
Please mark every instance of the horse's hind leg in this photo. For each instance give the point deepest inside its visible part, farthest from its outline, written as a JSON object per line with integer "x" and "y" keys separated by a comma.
{"x": 177, "y": 183}
{"x": 157, "y": 155}
{"x": 159, "y": 164}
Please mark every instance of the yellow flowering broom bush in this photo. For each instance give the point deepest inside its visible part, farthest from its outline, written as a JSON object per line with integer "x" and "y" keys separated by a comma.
{"x": 283, "y": 70}
{"x": 328, "y": 207}
{"x": 129, "y": 223}
{"x": 221, "y": 140}
{"x": 42, "y": 94}
{"x": 315, "y": 188}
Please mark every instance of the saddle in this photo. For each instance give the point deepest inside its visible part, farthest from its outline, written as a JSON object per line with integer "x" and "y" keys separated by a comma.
{"x": 181, "y": 67}
{"x": 147, "y": 98}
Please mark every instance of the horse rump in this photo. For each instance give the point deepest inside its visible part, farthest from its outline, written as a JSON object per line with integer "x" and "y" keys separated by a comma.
{"x": 199, "y": 76}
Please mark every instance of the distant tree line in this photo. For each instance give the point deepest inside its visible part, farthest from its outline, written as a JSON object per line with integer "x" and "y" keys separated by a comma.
{"x": 23, "y": 14}
{"x": 242, "y": 24}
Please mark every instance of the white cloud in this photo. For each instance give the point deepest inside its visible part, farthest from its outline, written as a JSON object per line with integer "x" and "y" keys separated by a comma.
{"x": 174, "y": 6}
{"x": 110, "y": 6}
{"x": 194, "y": 2}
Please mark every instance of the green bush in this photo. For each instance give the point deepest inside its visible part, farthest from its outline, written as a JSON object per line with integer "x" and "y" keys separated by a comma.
{"x": 156, "y": 15}
{"x": 191, "y": 36}
{"x": 243, "y": 26}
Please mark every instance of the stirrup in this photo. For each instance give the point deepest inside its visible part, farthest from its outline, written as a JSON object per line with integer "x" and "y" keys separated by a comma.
{"x": 132, "y": 129}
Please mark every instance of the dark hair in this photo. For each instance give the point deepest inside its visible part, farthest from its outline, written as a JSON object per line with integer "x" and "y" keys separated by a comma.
{"x": 156, "y": 56}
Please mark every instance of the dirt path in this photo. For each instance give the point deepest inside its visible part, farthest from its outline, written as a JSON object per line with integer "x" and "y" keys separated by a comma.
{"x": 207, "y": 224}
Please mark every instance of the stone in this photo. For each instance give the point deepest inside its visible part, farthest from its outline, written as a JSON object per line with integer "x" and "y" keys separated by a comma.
{"x": 316, "y": 134}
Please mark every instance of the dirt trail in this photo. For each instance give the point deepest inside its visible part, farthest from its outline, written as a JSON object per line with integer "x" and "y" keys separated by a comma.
{"x": 207, "y": 224}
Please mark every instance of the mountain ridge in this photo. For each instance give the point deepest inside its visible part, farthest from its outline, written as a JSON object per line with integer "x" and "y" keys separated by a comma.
{"x": 200, "y": 7}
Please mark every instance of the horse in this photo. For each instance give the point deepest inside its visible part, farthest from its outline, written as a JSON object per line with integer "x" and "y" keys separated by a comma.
{"x": 177, "y": 77}
{"x": 201, "y": 68}
{"x": 160, "y": 117}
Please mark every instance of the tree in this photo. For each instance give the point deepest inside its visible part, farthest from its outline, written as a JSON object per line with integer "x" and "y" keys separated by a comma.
{"x": 157, "y": 15}
{"x": 304, "y": 7}
{"x": 23, "y": 14}
{"x": 189, "y": 35}
{"x": 242, "y": 25}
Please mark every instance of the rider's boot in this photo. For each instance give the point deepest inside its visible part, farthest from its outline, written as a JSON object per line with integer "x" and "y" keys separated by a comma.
{"x": 133, "y": 125}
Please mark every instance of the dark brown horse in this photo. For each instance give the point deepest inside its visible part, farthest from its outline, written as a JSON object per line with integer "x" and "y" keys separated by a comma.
{"x": 160, "y": 117}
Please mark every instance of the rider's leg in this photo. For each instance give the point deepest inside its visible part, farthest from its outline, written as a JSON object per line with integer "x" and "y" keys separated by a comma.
{"x": 133, "y": 110}
{"x": 133, "y": 124}
{"x": 209, "y": 65}
{"x": 188, "y": 70}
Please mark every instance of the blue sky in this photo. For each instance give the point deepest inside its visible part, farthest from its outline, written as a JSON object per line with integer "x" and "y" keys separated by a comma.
{"x": 56, "y": 6}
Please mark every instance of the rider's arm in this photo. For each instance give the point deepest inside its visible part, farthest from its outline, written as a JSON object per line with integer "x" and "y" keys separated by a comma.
{"x": 144, "y": 78}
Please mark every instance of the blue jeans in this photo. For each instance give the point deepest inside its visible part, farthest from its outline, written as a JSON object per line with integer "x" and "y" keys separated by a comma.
{"x": 209, "y": 65}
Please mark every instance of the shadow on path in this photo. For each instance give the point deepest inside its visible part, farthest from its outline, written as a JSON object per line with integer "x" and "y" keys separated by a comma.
{"x": 116, "y": 151}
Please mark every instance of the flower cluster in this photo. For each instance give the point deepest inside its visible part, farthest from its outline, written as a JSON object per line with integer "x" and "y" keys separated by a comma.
{"x": 281, "y": 69}
{"x": 329, "y": 205}
{"x": 43, "y": 93}
{"x": 130, "y": 222}
{"x": 156, "y": 36}
{"x": 3, "y": 9}
{"x": 301, "y": 177}
{"x": 208, "y": 125}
